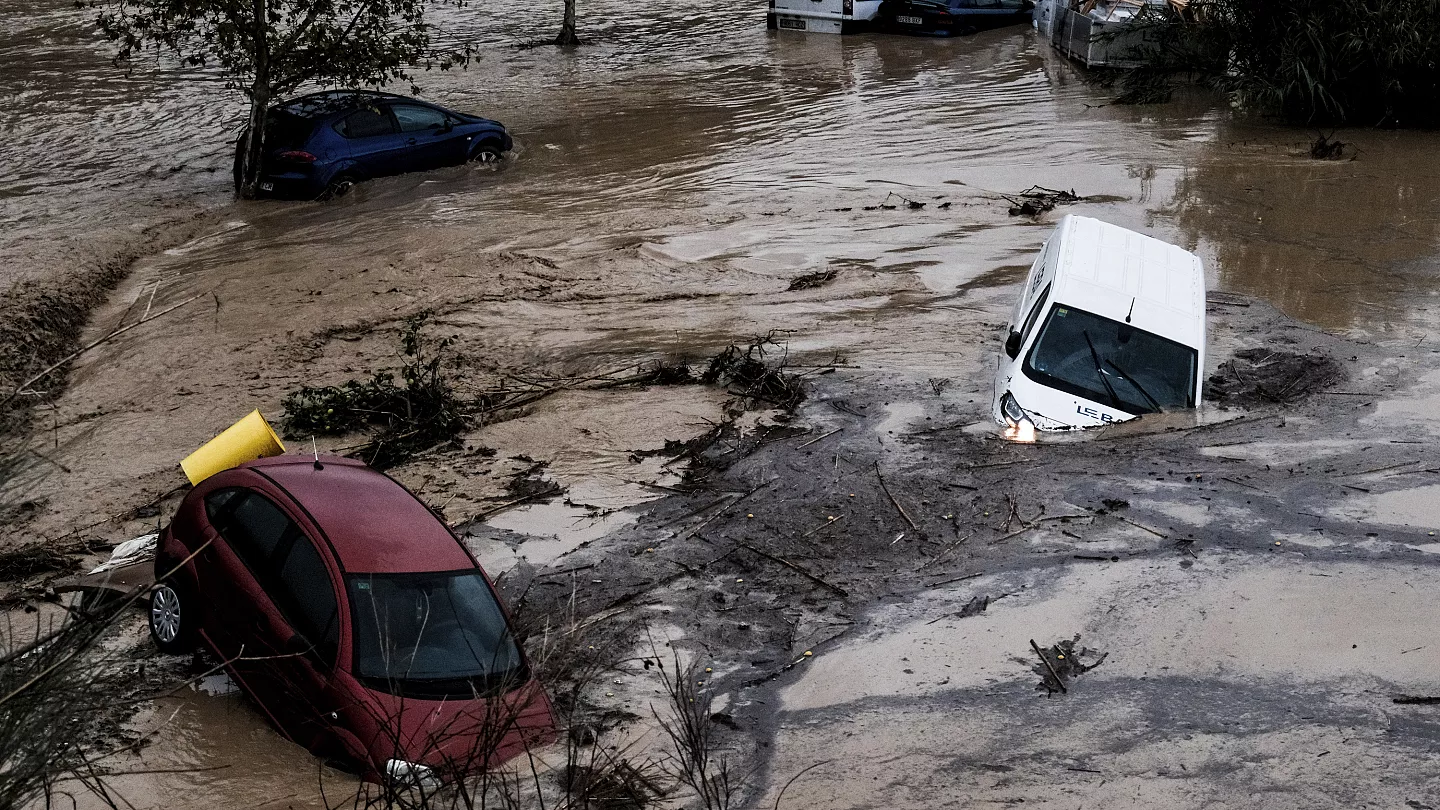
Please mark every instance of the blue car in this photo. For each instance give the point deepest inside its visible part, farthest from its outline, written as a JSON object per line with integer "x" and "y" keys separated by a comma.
{"x": 319, "y": 146}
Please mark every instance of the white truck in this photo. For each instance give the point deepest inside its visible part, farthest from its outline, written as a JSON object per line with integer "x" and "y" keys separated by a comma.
{"x": 1110, "y": 325}
{"x": 822, "y": 16}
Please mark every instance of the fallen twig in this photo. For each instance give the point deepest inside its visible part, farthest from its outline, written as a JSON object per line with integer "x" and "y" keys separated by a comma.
{"x": 955, "y": 579}
{"x": 888, "y": 494}
{"x": 802, "y": 571}
{"x": 1049, "y": 666}
{"x": 818, "y": 438}
{"x": 943, "y": 552}
{"x": 82, "y": 350}
{"x": 1141, "y": 526}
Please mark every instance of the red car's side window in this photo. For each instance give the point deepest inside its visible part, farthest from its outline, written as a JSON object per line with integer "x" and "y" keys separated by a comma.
{"x": 306, "y": 598}
{"x": 284, "y": 561}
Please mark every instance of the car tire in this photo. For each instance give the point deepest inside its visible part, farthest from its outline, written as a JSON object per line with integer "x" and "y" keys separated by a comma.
{"x": 172, "y": 617}
{"x": 488, "y": 153}
{"x": 339, "y": 186}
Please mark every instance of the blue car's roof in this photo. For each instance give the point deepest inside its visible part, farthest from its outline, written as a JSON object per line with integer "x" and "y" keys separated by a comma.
{"x": 317, "y": 105}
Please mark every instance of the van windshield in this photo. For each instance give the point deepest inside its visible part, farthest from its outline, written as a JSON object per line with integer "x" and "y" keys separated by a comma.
{"x": 432, "y": 635}
{"x": 1112, "y": 363}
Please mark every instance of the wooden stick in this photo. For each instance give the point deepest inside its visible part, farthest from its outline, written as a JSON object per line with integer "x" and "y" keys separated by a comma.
{"x": 71, "y": 356}
{"x": 1049, "y": 666}
{"x": 898, "y": 507}
{"x": 830, "y": 522}
{"x": 1142, "y": 526}
{"x": 792, "y": 566}
{"x": 818, "y": 438}
{"x": 955, "y": 579}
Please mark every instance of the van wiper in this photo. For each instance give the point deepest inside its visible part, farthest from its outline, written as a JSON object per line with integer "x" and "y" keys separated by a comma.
{"x": 1100, "y": 370}
{"x": 1154, "y": 403}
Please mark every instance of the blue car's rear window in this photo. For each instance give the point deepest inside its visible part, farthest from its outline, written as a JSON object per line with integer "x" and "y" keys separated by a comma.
{"x": 287, "y": 130}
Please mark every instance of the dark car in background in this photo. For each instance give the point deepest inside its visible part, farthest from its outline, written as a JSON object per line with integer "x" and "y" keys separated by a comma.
{"x": 352, "y": 616}
{"x": 319, "y": 146}
{"x": 950, "y": 17}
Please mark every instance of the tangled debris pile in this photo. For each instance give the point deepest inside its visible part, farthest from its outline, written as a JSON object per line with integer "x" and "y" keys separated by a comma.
{"x": 1268, "y": 376}
{"x": 748, "y": 375}
{"x": 1062, "y": 662}
{"x": 423, "y": 411}
{"x": 817, "y": 279}
{"x": 1036, "y": 200}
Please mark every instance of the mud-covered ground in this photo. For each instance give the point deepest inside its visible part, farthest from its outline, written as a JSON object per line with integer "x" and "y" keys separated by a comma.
{"x": 862, "y": 577}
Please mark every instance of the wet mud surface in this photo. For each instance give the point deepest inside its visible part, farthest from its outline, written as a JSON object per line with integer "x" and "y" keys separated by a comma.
{"x": 1256, "y": 577}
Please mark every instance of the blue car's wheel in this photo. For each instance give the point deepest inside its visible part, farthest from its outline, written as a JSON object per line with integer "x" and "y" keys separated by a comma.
{"x": 339, "y": 186}
{"x": 487, "y": 154}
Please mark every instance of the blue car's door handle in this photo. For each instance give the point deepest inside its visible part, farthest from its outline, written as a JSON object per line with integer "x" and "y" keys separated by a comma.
{"x": 410, "y": 141}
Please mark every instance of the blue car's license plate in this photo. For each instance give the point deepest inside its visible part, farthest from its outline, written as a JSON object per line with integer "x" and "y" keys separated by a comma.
{"x": 267, "y": 186}
{"x": 903, "y": 20}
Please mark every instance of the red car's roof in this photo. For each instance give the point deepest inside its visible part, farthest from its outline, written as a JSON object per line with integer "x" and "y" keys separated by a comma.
{"x": 375, "y": 525}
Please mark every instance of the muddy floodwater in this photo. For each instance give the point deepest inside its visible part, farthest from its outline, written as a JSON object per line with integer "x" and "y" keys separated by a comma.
{"x": 670, "y": 180}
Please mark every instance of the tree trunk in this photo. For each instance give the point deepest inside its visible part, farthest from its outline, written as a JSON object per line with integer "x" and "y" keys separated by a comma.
{"x": 252, "y": 149}
{"x": 567, "y": 38}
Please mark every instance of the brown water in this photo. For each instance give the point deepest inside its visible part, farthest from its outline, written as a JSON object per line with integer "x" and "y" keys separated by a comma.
{"x": 678, "y": 172}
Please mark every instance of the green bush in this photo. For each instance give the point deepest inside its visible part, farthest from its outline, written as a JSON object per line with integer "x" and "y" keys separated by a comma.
{"x": 1313, "y": 62}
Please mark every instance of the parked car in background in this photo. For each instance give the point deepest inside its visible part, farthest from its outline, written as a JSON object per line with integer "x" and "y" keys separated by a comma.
{"x": 822, "y": 16}
{"x": 1110, "y": 325}
{"x": 319, "y": 146}
{"x": 352, "y": 616}
{"x": 950, "y": 17}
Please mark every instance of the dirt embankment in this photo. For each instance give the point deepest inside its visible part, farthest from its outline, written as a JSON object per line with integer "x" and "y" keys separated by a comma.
{"x": 43, "y": 315}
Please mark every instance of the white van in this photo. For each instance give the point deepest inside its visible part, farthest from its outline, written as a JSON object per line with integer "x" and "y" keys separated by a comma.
{"x": 822, "y": 16}
{"x": 1110, "y": 325}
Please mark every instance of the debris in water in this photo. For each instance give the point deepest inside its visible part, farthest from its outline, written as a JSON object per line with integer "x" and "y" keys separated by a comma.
{"x": 1036, "y": 200}
{"x": 816, "y": 279}
{"x": 1267, "y": 376}
{"x": 1323, "y": 148}
{"x": 974, "y": 607}
{"x": 747, "y": 374}
{"x": 886, "y": 205}
{"x": 30, "y": 560}
{"x": 422, "y": 412}
{"x": 1063, "y": 662}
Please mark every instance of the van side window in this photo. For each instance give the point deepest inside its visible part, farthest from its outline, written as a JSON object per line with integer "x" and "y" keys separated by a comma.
{"x": 1034, "y": 313}
{"x": 306, "y": 598}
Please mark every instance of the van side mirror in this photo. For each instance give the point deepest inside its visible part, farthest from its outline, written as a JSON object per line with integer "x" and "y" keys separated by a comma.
{"x": 1012, "y": 344}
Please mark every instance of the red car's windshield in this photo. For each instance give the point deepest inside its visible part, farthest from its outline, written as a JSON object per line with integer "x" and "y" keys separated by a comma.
{"x": 432, "y": 635}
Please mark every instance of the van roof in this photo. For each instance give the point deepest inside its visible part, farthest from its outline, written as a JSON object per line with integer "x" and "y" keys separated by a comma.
{"x": 1115, "y": 273}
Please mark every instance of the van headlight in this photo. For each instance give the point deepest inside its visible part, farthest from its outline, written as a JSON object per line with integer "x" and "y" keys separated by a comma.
{"x": 411, "y": 775}
{"x": 1011, "y": 410}
{"x": 1018, "y": 425}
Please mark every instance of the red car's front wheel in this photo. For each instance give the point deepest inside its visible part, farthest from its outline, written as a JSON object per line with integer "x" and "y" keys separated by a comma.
{"x": 171, "y": 619}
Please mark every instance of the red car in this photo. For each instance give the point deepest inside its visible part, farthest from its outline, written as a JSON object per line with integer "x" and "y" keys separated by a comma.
{"x": 352, "y": 615}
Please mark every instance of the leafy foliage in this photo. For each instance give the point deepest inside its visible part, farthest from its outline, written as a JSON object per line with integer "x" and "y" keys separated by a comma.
{"x": 1340, "y": 62}
{"x": 420, "y": 412}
